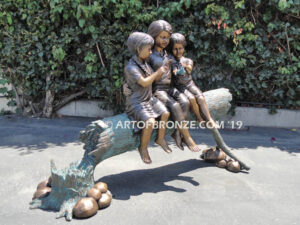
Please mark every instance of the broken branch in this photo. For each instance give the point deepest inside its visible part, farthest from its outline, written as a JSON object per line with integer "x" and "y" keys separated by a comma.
{"x": 100, "y": 56}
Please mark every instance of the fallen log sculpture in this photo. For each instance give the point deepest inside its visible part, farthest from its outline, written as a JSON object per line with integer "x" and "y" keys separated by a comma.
{"x": 103, "y": 139}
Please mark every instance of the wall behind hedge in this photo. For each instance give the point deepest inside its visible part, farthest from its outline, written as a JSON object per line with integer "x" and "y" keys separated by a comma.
{"x": 70, "y": 46}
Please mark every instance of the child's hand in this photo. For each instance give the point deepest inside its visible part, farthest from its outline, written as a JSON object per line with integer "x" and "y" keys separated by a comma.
{"x": 175, "y": 71}
{"x": 167, "y": 63}
{"x": 188, "y": 68}
{"x": 160, "y": 72}
{"x": 126, "y": 90}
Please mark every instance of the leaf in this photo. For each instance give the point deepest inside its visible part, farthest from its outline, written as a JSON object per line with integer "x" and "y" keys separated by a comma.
{"x": 3, "y": 90}
{"x": 24, "y": 16}
{"x": 291, "y": 92}
{"x": 187, "y": 3}
{"x": 89, "y": 68}
{"x": 59, "y": 8}
{"x": 81, "y": 22}
{"x": 3, "y": 81}
{"x": 264, "y": 85}
{"x": 240, "y": 4}
{"x": 92, "y": 28}
{"x": 12, "y": 103}
{"x": 282, "y": 4}
{"x": 267, "y": 16}
{"x": 78, "y": 13}
{"x": 9, "y": 19}
{"x": 78, "y": 51}
{"x": 58, "y": 53}
{"x": 70, "y": 68}
{"x": 94, "y": 36}
{"x": 66, "y": 16}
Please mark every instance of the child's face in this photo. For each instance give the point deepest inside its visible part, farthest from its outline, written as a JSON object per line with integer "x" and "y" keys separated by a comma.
{"x": 178, "y": 50}
{"x": 162, "y": 40}
{"x": 145, "y": 52}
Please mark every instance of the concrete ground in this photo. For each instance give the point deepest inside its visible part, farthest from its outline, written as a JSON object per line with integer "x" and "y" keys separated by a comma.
{"x": 178, "y": 188}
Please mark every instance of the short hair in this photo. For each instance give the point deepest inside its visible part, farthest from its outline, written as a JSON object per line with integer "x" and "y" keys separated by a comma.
{"x": 177, "y": 38}
{"x": 137, "y": 41}
{"x": 158, "y": 26}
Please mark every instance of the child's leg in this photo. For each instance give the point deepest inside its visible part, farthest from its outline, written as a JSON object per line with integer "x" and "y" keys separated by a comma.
{"x": 188, "y": 140}
{"x": 204, "y": 108}
{"x": 183, "y": 131}
{"x": 202, "y": 103}
{"x": 176, "y": 113}
{"x": 185, "y": 108}
{"x": 160, "y": 140}
{"x": 182, "y": 99}
{"x": 194, "y": 104}
{"x": 145, "y": 138}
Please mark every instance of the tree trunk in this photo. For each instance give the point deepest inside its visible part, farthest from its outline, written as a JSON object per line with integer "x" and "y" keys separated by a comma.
{"x": 48, "y": 108}
{"x": 104, "y": 139}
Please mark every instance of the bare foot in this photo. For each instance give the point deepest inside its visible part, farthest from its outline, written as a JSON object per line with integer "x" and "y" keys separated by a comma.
{"x": 164, "y": 145}
{"x": 145, "y": 155}
{"x": 212, "y": 124}
{"x": 191, "y": 145}
{"x": 176, "y": 136}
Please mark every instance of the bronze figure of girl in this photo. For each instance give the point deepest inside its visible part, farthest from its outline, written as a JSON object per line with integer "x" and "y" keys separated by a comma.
{"x": 141, "y": 105}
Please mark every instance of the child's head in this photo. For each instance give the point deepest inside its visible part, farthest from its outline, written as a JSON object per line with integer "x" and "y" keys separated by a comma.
{"x": 177, "y": 45}
{"x": 160, "y": 30}
{"x": 140, "y": 44}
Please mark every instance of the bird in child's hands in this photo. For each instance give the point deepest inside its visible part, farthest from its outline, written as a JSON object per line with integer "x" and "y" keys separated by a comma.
{"x": 181, "y": 71}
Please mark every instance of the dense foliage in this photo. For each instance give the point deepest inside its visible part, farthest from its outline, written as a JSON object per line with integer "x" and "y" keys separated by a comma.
{"x": 78, "y": 46}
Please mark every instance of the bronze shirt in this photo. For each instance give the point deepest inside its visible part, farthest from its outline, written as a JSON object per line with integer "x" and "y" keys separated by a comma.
{"x": 185, "y": 79}
{"x": 156, "y": 60}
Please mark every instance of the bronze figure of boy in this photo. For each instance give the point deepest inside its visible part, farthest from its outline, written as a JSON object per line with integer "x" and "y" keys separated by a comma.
{"x": 182, "y": 79}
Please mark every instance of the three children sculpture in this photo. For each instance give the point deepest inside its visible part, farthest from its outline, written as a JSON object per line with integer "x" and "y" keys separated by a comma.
{"x": 159, "y": 86}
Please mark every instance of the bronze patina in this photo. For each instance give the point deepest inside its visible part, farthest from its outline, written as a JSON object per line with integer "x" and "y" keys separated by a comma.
{"x": 176, "y": 102}
{"x": 67, "y": 190}
{"x": 141, "y": 105}
{"x": 182, "y": 68}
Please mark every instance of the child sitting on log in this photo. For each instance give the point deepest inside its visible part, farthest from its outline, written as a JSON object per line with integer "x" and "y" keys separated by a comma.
{"x": 141, "y": 105}
{"x": 182, "y": 79}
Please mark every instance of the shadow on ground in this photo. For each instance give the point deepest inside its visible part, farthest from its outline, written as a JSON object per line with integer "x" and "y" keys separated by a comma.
{"x": 137, "y": 182}
{"x": 29, "y": 135}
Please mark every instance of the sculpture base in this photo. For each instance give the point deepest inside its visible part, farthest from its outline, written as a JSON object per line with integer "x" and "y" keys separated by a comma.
{"x": 67, "y": 187}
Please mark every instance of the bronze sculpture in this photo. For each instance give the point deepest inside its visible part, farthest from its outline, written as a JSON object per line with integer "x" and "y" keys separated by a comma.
{"x": 175, "y": 101}
{"x": 182, "y": 79}
{"x": 72, "y": 186}
{"x": 141, "y": 105}
{"x": 103, "y": 139}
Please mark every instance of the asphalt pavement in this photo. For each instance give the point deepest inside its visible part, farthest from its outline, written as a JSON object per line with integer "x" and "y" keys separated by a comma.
{"x": 178, "y": 188}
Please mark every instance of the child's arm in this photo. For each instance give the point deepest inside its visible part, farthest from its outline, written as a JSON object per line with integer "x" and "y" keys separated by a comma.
{"x": 188, "y": 65}
{"x": 146, "y": 81}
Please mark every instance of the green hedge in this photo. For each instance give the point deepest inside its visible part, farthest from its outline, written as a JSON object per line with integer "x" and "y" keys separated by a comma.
{"x": 251, "y": 47}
